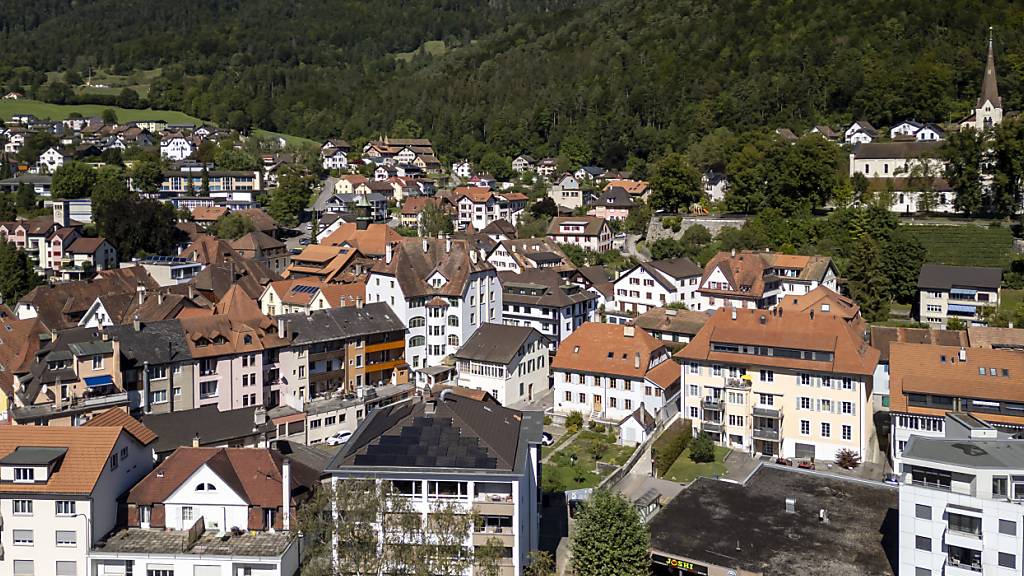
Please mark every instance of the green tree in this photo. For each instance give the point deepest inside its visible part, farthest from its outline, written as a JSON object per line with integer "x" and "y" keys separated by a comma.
{"x": 8, "y": 211}
{"x": 232, "y": 227}
{"x": 675, "y": 184}
{"x": 544, "y": 207}
{"x": 204, "y": 187}
{"x": 435, "y": 222}
{"x": 867, "y": 281}
{"x": 702, "y": 449}
{"x": 610, "y": 538}
{"x": 17, "y": 273}
{"x": 128, "y": 98}
{"x": 35, "y": 144}
{"x": 25, "y": 198}
{"x": 228, "y": 157}
{"x": 954, "y": 323}
{"x": 73, "y": 180}
{"x": 147, "y": 176}
{"x": 540, "y": 564}
{"x": 964, "y": 153}
{"x": 111, "y": 189}
{"x": 575, "y": 151}
{"x": 638, "y": 218}
{"x": 664, "y": 248}
{"x": 109, "y": 116}
{"x": 137, "y": 226}
{"x": 1007, "y": 166}
{"x": 496, "y": 165}
{"x": 288, "y": 200}
{"x": 921, "y": 179}
{"x": 531, "y": 226}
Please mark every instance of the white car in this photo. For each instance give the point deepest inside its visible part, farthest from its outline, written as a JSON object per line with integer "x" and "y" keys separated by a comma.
{"x": 546, "y": 439}
{"x": 338, "y": 439}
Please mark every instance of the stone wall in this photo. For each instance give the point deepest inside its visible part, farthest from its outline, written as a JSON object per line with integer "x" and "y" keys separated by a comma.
{"x": 714, "y": 224}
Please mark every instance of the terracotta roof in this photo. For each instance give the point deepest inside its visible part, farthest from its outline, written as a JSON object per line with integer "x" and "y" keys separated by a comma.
{"x": 919, "y": 368}
{"x": 252, "y": 473}
{"x": 88, "y": 449}
{"x": 673, "y": 321}
{"x": 260, "y": 219}
{"x": 257, "y": 242}
{"x": 416, "y": 204}
{"x": 237, "y": 304}
{"x": 118, "y": 417}
{"x": 633, "y": 187}
{"x": 665, "y": 375}
{"x": 782, "y": 328}
{"x": 471, "y": 393}
{"x": 208, "y": 213}
{"x": 747, "y": 269}
{"x": 604, "y": 348}
{"x": 476, "y": 194}
{"x": 62, "y": 305}
{"x": 210, "y": 250}
{"x": 825, "y": 300}
{"x": 986, "y": 337}
{"x": 19, "y": 342}
{"x": 371, "y": 242}
{"x": 343, "y": 294}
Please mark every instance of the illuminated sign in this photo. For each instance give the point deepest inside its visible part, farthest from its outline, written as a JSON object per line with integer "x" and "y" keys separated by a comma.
{"x": 684, "y": 566}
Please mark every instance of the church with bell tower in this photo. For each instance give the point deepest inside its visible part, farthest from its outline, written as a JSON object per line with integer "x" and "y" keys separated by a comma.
{"x": 988, "y": 110}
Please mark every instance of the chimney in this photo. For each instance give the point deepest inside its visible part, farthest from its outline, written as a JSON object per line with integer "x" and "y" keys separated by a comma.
{"x": 195, "y": 440}
{"x": 447, "y": 244}
{"x": 812, "y": 313}
{"x": 764, "y": 319}
{"x": 733, "y": 313}
{"x": 286, "y": 484}
{"x": 472, "y": 255}
{"x": 141, "y": 290}
{"x": 259, "y": 416}
{"x": 734, "y": 252}
{"x": 359, "y": 302}
{"x": 282, "y": 329}
{"x": 963, "y": 354}
{"x": 159, "y": 298}
{"x": 426, "y": 245}
{"x": 136, "y": 323}
{"x": 513, "y": 248}
{"x": 389, "y": 253}
{"x": 791, "y": 505}
{"x": 191, "y": 292}
{"x": 636, "y": 360}
{"x": 628, "y": 330}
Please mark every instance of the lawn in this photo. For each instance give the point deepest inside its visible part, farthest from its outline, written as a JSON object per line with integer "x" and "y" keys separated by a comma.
{"x": 432, "y": 47}
{"x": 966, "y": 245}
{"x": 545, "y": 450}
{"x": 1010, "y": 299}
{"x": 684, "y": 470}
{"x": 561, "y": 473}
{"x": 49, "y": 111}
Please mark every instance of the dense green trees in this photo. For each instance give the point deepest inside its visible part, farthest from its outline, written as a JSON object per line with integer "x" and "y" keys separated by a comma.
{"x": 73, "y": 180}
{"x": 17, "y": 274}
{"x": 232, "y": 227}
{"x": 605, "y": 81}
{"x": 288, "y": 200}
{"x": 147, "y": 176}
{"x": 675, "y": 184}
{"x": 434, "y": 222}
{"x": 609, "y": 538}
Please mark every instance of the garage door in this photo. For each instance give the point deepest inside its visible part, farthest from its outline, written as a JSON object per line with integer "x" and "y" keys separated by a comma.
{"x": 804, "y": 450}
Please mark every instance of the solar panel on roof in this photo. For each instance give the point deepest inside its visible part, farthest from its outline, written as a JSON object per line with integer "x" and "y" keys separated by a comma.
{"x": 302, "y": 289}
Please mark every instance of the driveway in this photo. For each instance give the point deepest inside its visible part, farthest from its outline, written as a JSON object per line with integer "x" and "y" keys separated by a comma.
{"x": 631, "y": 249}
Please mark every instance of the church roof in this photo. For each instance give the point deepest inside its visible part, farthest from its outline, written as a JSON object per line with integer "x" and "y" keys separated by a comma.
{"x": 989, "y": 87}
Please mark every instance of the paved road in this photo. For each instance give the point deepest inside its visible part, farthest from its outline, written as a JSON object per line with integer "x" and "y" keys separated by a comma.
{"x": 631, "y": 250}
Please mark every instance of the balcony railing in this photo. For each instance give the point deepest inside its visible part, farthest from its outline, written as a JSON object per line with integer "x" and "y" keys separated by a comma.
{"x": 710, "y": 403}
{"x": 739, "y": 383}
{"x": 769, "y": 434}
{"x": 767, "y": 412}
{"x": 711, "y": 427}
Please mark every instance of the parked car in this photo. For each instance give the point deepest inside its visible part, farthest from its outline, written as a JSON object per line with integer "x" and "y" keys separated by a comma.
{"x": 338, "y": 439}
{"x": 546, "y": 439}
{"x": 304, "y": 241}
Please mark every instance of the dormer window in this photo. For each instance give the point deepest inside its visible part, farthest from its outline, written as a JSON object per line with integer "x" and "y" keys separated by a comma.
{"x": 247, "y": 339}
{"x": 205, "y": 487}
{"x": 24, "y": 475}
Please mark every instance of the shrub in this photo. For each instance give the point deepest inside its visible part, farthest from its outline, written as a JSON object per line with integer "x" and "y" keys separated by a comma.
{"x": 847, "y": 458}
{"x": 671, "y": 444}
{"x": 599, "y": 428}
{"x": 673, "y": 223}
{"x": 702, "y": 449}
{"x": 574, "y": 422}
{"x": 547, "y": 420}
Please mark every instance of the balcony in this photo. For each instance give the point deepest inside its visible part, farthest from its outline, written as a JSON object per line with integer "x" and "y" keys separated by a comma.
{"x": 715, "y": 427}
{"x": 769, "y": 434}
{"x": 393, "y": 345}
{"x": 505, "y": 536}
{"x": 768, "y": 412}
{"x": 738, "y": 383}
{"x": 964, "y": 540}
{"x": 711, "y": 403}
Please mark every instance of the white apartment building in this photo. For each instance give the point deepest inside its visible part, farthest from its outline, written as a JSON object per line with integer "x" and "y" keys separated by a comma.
{"x": 542, "y": 300}
{"x": 606, "y": 371}
{"x": 961, "y": 495}
{"x": 509, "y": 362}
{"x": 479, "y": 207}
{"x": 587, "y": 232}
{"x": 961, "y": 292}
{"x": 495, "y": 476}
{"x": 781, "y": 383}
{"x": 50, "y": 160}
{"x": 441, "y": 289}
{"x": 59, "y": 488}
{"x": 656, "y": 284}
{"x": 756, "y": 279}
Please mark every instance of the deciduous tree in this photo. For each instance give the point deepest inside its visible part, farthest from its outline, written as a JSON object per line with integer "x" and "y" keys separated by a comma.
{"x": 675, "y": 184}
{"x": 73, "y": 180}
{"x": 609, "y": 538}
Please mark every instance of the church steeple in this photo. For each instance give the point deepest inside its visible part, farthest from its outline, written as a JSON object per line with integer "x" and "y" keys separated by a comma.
{"x": 989, "y": 86}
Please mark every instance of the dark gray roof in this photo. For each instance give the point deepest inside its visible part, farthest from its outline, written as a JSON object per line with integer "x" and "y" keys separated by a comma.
{"x": 745, "y": 527}
{"x": 460, "y": 434}
{"x": 215, "y": 428}
{"x": 944, "y": 277}
{"x": 541, "y": 287}
{"x": 908, "y": 149}
{"x": 1002, "y": 454}
{"x": 497, "y": 343}
{"x": 159, "y": 342}
{"x": 33, "y": 455}
{"x": 678, "y": 267}
{"x": 341, "y": 323}
{"x": 615, "y": 197}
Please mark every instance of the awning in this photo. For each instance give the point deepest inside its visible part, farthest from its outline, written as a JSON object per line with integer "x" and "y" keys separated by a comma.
{"x": 962, "y": 308}
{"x": 92, "y": 381}
{"x": 964, "y": 291}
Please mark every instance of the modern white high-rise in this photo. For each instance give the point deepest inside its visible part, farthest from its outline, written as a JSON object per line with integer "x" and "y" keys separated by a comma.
{"x": 962, "y": 502}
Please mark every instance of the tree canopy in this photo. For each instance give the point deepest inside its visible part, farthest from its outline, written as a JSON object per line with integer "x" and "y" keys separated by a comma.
{"x": 609, "y": 538}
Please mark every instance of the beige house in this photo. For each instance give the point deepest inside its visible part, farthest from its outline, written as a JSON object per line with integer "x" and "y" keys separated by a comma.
{"x": 780, "y": 382}
{"x": 961, "y": 292}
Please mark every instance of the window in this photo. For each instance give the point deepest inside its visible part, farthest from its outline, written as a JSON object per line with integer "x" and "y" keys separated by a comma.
{"x": 1008, "y": 527}
{"x": 24, "y": 474}
{"x": 113, "y": 462}
{"x": 208, "y": 389}
{"x": 23, "y": 507}
{"x": 24, "y": 568}
{"x": 694, "y": 368}
{"x": 735, "y": 420}
{"x": 805, "y": 427}
{"x": 847, "y": 383}
{"x": 23, "y": 538}
{"x": 583, "y": 398}
{"x": 158, "y": 397}
{"x": 268, "y": 517}
{"x": 826, "y": 429}
{"x": 205, "y": 487}
{"x": 923, "y": 543}
{"x": 965, "y": 524}
{"x": 767, "y": 376}
{"x": 805, "y": 379}
{"x": 66, "y": 568}
{"x": 847, "y": 407}
{"x": 922, "y": 572}
{"x": 67, "y": 538}
{"x": 694, "y": 413}
{"x": 999, "y": 486}
{"x": 157, "y": 372}
{"x": 716, "y": 370}
{"x": 614, "y": 402}
{"x": 65, "y": 507}
{"x": 145, "y": 513}
{"x": 629, "y": 404}
{"x": 847, "y": 432}
{"x": 694, "y": 390}
{"x": 805, "y": 403}
{"x": 186, "y": 513}
{"x": 1007, "y": 560}
{"x": 159, "y": 571}
{"x": 923, "y": 512}
{"x": 97, "y": 362}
